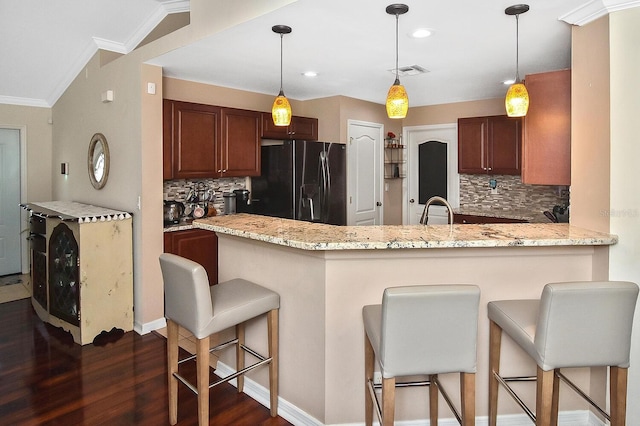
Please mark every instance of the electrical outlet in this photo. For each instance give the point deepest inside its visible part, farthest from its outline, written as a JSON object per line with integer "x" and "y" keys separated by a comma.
{"x": 494, "y": 191}
{"x": 377, "y": 378}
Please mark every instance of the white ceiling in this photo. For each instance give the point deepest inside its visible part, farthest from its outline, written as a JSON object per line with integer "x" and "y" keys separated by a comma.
{"x": 350, "y": 43}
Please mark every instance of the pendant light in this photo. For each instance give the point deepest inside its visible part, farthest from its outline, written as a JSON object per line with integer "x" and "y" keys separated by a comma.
{"x": 281, "y": 109}
{"x": 517, "y": 100}
{"x": 397, "y": 99}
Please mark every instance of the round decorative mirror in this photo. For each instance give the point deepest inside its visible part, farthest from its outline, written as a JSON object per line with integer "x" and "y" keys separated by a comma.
{"x": 98, "y": 161}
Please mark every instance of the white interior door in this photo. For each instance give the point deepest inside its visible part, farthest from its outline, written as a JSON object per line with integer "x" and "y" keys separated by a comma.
{"x": 446, "y": 136}
{"x": 10, "y": 261}
{"x": 364, "y": 173}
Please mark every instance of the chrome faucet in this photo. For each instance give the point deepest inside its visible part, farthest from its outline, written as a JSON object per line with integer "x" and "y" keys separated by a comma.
{"x": 425, "y": 213}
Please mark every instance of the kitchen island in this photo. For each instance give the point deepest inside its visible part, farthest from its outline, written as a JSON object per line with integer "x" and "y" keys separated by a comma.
{"x": 325, "y": 274}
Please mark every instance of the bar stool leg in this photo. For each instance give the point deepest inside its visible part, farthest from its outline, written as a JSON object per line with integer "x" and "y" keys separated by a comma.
{"x": 369, "y": 362}
{"x": 433, "y": 400}
{"x": 203, "y": 377}
{"x": 388, "y": 401}
{"x": 618, "y": 389}
{"x": 495, "y": 338}
{"x": 240, "y": 355}
{"x": 272, "y": 332}
{"x": 544, "y": 396}
{"x": 468, "y": 398}
{"x": 172, "y": 360}
{"x": 555, "y": 399}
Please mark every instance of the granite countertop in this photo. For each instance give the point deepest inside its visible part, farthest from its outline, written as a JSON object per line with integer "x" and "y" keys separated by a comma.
{"x": 316, "y": 236}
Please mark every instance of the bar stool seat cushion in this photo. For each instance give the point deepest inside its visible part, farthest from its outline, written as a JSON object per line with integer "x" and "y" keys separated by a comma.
{"x": 447, "y": 314}
{"x": 205, "y": 310}
{"x": 573, "y": 325}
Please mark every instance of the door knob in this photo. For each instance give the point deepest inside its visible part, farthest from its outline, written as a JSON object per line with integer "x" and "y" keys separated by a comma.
{"x": 412, "y": 200}
{"x": 378, "y": 203}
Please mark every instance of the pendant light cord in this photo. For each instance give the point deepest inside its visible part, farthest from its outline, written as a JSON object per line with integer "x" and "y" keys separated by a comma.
{"x": 517, "y": 49}
{"x": 397, "y": 79}
{"x": 281, "y": 66}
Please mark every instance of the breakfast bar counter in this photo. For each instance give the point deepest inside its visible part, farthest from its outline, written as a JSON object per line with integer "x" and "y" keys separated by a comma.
{"x": 325, "y": 275}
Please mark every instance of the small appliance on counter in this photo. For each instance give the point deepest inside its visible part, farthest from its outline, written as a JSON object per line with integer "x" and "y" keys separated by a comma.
{"x": 559, "y": 214}
{"x": 229, "y": 203}
{"x": 172, "y": 212}
{"x": 243, "y": 203}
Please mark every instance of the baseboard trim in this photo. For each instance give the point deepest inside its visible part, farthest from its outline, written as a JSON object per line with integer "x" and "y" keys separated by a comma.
{"x": 298, "y": 417}
{"x": 148, "y": 327}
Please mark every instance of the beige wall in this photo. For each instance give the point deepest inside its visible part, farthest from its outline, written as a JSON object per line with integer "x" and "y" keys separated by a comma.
{"x": 35, "y": 120}
{"x": 132, "y": 126}
{"x": 449, "y": 113}
{"x": 624, "y": 35}
{"x": 590, "y": 127}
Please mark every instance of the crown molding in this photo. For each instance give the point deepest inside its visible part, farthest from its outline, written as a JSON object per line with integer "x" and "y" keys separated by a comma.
{"x": 175, "y": 6}
{"x": 595, "y": 9}
{"x": 30, "y": 102}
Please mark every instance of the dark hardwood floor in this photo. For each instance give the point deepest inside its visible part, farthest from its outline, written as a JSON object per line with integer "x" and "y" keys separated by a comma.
{"x": 47, "y": 379}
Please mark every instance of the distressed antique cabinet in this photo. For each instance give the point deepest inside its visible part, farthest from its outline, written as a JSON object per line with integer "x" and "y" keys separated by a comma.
{"x": 84, "y": 273}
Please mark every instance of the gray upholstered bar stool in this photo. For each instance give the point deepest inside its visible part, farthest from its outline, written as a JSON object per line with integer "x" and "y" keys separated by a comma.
{"x": 576, "y": 324}
{"x": 421, "y": 331}
{"x": 203, "y": 311}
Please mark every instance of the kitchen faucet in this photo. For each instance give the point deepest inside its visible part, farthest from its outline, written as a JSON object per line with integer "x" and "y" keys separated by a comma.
{"x": 425, "y": 213}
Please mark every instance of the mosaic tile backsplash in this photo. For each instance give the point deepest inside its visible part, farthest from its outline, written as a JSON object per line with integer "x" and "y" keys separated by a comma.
{"x": 178, "y": 189}
{"x": 512, "y": 194}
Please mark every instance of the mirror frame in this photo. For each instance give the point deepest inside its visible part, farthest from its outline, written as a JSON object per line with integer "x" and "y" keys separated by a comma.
{"x": 96, "y": 139}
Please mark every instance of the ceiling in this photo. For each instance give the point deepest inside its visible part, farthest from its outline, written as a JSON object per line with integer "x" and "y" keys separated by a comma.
{"x": 350, "y": 44}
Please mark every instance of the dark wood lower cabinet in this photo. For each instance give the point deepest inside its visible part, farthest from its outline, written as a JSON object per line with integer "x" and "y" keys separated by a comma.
{"x": 475, "y": 219}
{"x": 198, "y": 245}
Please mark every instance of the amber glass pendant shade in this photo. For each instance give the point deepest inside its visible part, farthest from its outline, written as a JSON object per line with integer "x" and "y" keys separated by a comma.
{"x": 397, "y": 101}
{"x": 517, "y": 100}
{"x": 281, "y": 111}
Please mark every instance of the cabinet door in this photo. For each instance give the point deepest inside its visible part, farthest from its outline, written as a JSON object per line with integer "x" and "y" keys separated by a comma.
{"x": 505, "y": 142}
{"x": 196, "y": 132}
{"x": 547, "y": 129}
{"x": 268, "y": 130}
{"x": 303, "y": 128}
{"x": 240, "y": 142}
{"x": 198, "y": 245}
{"x": 167, "y": 139}
{"x": 472, "y": 145}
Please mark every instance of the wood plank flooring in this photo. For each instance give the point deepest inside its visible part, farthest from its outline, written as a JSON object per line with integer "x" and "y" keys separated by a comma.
{"x": 47, "y": 379}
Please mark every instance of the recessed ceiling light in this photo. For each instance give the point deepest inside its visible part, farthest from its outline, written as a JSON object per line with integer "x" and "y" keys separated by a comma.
{"x": 310, "y": 74}
{"x": 421, "y": 33}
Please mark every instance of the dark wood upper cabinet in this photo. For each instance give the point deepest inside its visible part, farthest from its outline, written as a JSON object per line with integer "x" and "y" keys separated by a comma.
{"x": 206, "y": 141}
{"x": 193, "y": 145}
{"x": 301, "y": 128}
{"x": 489, "y": 145}
{"x": 240, "y": 143}
{"x": 546, "y": 157}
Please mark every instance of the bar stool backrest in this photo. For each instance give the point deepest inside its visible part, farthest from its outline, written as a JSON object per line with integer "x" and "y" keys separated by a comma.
{"x": 187, "y": 297}
{"x": 429, "y": 329}
{"x": 584, "y": 324}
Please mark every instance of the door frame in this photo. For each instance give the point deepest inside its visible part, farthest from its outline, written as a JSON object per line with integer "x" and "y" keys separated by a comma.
{"x": 453, "y": 178}
{"x": 24, "y": 215}
{"x": 379, "y": 171}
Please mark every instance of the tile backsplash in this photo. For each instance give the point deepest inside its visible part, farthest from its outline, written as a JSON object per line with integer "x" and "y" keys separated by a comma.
{"x": 178, "y": 189}
{"x": 512, "y": 194}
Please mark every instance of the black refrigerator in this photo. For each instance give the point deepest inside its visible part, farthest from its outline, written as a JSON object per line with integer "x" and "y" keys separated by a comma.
{"x": 302, "y": 180}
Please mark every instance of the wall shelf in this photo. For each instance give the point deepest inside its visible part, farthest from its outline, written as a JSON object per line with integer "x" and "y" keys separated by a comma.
{"x": 394, "y": 159}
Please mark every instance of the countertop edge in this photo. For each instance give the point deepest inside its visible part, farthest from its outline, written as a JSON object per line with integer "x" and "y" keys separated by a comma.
{"x": 494, "y": 235}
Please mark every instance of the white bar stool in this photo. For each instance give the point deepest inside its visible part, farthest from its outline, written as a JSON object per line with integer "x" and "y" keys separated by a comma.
{"x": 422, "y": 330}
{"x": 203, "y": 311}
{"x": 577, "y": 324}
